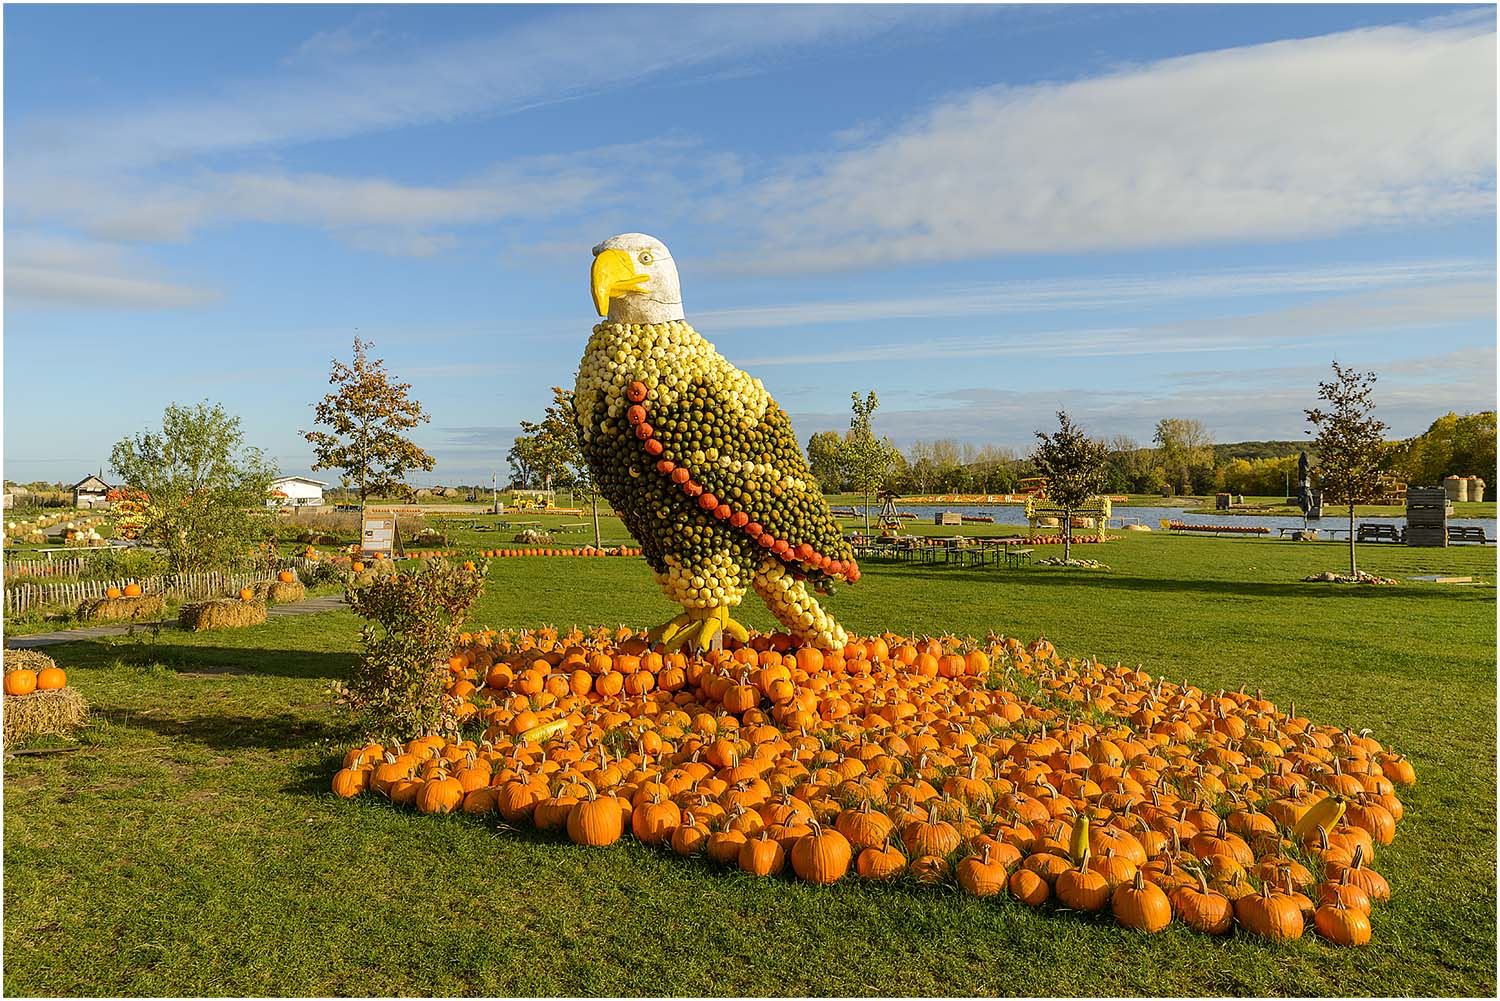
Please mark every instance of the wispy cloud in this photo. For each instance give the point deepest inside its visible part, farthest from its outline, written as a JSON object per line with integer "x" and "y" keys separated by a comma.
{"x": 52, "y": 272}
{"x": 1424, "y": 307}
{"x": 369, "y": 213}
{"x": 547, "y": 58}
{"x": 1003, "y": 298}
{"x": 1283, "y": 140}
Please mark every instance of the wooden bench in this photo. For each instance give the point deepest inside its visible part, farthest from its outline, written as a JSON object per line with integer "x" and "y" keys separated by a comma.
{"x": 1380, "y": 533}
{"x": 1016, "y": 557}
{"x": 1467, "y": 533}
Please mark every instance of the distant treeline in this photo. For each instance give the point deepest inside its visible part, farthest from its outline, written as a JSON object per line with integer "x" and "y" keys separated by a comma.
{"x": 1181, "y": 460}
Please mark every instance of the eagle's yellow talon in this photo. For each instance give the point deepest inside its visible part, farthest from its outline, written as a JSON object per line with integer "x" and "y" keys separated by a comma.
{"x": 680, "y": 640}
{"x": 736, "y": 630}
{"x": 667, "y": 630}
{"x": 709, "y": 630}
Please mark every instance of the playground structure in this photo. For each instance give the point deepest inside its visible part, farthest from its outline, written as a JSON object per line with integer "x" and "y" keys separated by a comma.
{"x": 1038, "y": 507}
{"x": 889, "y": 519}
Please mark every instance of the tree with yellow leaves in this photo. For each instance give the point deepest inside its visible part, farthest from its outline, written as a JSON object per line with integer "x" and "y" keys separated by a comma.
{"x": 366, "y": 417}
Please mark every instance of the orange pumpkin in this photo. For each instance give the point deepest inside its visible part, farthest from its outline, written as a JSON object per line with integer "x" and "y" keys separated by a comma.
{"x": 20, "y": 682}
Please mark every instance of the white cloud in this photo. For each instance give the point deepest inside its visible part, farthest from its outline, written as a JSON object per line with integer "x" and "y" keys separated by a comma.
{"x": 1367, "y": 312}
{"x": 546, "y": 58}
{"x": 372, "y": 213}
{"x": 1002, "y": 298}
{"x": 52, "y": 272}
{"x": 1282, "y": 140}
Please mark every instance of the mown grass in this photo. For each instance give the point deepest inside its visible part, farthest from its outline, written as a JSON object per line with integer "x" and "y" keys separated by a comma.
{"x": 191, "y": 847}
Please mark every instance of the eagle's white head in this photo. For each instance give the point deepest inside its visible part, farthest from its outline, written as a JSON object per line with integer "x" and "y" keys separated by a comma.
{"x": 635, "y": 281}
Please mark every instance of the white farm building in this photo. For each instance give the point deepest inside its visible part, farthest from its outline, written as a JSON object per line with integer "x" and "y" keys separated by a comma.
{"x": 295, "y": 491}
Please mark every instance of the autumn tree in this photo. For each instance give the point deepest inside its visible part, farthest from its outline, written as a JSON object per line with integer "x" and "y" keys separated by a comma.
{"x": 552, "y": 450}
{"x": 205, "y": 491}
{"x": 1452, "y": 445}
{"x": 823, "y": 460}
{"x": 1351, "y": 446}
{"x": 367, "y": 417}
{"x": 1184, "y": 446}
{"x": 867, "y": 461}
{"x": 1076, "y": 467}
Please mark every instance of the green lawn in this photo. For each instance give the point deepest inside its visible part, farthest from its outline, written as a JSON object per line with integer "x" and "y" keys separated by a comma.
{"x": 191, "y": 847}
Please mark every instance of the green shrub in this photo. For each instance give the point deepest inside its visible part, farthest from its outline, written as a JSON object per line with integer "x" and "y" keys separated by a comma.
{"x": 124, "y": 564}
{"x": 399, "y": 688}
{"x": 319, "y": 574}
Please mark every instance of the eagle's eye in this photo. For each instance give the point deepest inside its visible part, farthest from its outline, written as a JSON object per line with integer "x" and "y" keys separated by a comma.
{"x": 645, "y": 257}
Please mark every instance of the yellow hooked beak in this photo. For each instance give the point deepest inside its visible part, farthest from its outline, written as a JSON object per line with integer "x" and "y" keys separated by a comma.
{"x": 614, "y": 275}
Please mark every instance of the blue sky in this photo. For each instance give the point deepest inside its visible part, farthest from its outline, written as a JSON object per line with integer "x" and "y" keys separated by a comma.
{"x": 982, "y": 213}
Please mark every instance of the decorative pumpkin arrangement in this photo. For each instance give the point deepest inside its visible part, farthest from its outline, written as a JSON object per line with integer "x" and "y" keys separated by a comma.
{"x": 1104, "y": 790}
{"x": 1182, "y": 526}
{"x": 552, "y": 551}
{"x": 38, "y": 701}
{"x": 24, "y": 681}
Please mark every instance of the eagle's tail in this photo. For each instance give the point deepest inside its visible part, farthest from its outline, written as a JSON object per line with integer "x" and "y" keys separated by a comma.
{"x": 795, "y": 608}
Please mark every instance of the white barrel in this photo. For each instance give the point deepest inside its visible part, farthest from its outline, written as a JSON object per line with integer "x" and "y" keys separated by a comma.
{"x": 1456, "y": 487}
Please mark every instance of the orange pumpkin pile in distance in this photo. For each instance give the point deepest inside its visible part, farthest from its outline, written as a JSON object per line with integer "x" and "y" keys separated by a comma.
{"x": 537, "y": 551}
{"x": 1000, "y": 767}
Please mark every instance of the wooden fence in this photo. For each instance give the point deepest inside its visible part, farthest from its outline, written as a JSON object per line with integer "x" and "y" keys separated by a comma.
{"x": 70, "y": 566}
{"x": 182, "y": 586}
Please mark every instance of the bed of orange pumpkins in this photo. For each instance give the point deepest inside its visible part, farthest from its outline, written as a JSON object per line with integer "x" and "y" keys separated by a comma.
{"x": 998, "y": 766}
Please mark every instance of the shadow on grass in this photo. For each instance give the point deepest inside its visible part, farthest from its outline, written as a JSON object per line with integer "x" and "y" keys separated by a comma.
{"x": 1118, "y": 581}
{"x": 166, "y": 650}
{"x": 231, "y": 732}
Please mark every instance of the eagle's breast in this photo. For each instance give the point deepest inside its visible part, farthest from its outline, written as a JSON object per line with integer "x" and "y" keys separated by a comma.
{"x": 667, "y": 358}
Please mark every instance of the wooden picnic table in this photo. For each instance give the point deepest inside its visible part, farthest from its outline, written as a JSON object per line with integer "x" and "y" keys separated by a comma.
{"x": 1374, "y": 532}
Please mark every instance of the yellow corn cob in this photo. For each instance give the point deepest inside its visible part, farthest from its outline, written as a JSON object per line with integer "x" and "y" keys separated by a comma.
{"x": 1325, "y": 814}
{"x": 537, "y": 734}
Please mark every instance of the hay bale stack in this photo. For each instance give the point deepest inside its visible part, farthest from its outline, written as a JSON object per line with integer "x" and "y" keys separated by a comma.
{"x": 281, "y": 592}
{"x": 28, "y": 660}
{"x": 221, "y": 613}
{"x": 54, "y": 713}
{"x": 122, "y": 609}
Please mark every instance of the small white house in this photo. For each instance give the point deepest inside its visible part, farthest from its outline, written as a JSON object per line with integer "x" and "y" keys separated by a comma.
{"x": 295, "y": 491}
{"x": 91, "y": 492}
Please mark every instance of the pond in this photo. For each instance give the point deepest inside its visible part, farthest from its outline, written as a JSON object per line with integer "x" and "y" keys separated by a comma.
{"x": 1015, "y": 514}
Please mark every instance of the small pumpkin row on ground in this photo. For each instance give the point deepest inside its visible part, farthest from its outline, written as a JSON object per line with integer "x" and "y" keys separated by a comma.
{"x": 555, "y": 551}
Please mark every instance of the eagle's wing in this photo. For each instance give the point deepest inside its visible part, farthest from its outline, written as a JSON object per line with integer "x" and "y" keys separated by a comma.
{"x": 755, "y": 472}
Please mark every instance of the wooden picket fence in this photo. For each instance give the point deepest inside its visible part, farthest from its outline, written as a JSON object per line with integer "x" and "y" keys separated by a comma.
{"x": 182, "y": 586}
{"x": 70, "y": 566}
